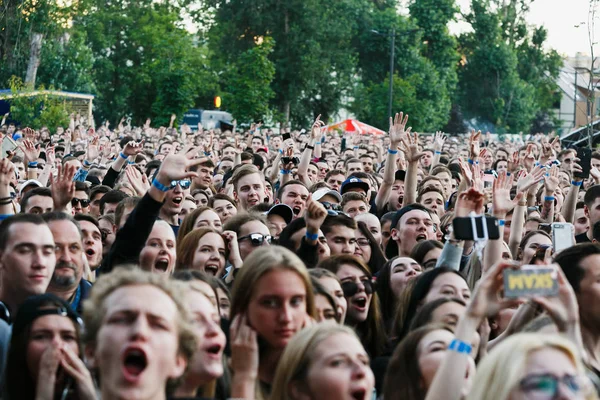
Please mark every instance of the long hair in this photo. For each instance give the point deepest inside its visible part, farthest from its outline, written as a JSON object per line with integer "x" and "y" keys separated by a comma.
{"x": 299, "y": 354}
{"x": 386, "y": 295}
{"x": 187, "y": 247}
{"x": 187, "y": 225}
{"x": 371, "y": 331}
{"x": 377, "y": 257}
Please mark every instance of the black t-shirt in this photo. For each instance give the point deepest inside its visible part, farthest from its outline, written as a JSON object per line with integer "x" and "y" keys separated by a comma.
{"x": 582, "y": 238}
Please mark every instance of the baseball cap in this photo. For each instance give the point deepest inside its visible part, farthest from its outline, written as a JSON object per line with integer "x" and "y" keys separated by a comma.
{"x": 391, "y": 250}
{"x": 319, "y": 194}
{"x": 354, "y": 183}
{"x": 30, "y": 182}
{"x": 283, "y": 210}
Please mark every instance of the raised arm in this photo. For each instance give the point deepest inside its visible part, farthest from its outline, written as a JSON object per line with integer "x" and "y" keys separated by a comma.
{"x": 438, "y": 144}
{"x": 413, "y": 155}
{"x": 397, "y": 131}
{"x": 307, "y": 153}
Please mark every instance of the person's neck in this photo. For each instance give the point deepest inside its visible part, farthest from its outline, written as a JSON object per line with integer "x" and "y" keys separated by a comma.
{"x": 171, "y": 219}
{"x": 591, "y": 343}
{"x": 64, "y": 293}
{"x": 111, "y": 394}
{"x": 268, "y": 365}
{"x": 590, "y": 233}
{"x": 187, "y": 389}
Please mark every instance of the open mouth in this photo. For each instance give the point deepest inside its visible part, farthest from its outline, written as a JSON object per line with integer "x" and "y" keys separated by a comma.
{"x": 211, "y": 269}
{"x": 161, "y": 265}
{"x": 359, "y": 394}
{"x": 421, "y": 237}
{"x": 90, "y": 252}
{"x": 177, "y": 200}
{"x": 296, "y": 210}
{"x": 134, "y": 362}
{"x": 361, "y": 302}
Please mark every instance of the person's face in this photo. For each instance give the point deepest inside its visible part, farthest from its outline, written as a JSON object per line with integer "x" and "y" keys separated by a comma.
{"x": 432, "y": 351}
{"x": 593, "y": 212}
{"x": 256, "y": 143}
{"x": 532, "y": 246}
{"x": 396, "y": 196}
{"x": 92, "y": 243}
{"x": 187, "y": 207}
{"x": 325, "y": 311}
{"x": 224, "y": 303}
{"x": 552, "y": 362}
{"x": 204, "y": 178}
{"x": 20, "y": 168}
{"x": 276, "y": 142}
{"x": 414, "y": 226}
{"x": 79, "y": 200}
{"x": 226, "y": 165}
{"x": 108, "y": 232}
{"x": 69, "y": 254}
{"x": 359, "y": 303}
{"x": 341, "y": 240}
{"x": 448, "y": 284}
{"x": 502, "y": 166}
{"x": 276, "y": 224}
{"x": 501, "y": 155}
{"x": 109, "y": 208}
{"x": 209, "y": 256}
{"x": 250, "y": 191}
{"x": 313, "y": 173}
{"x": 158, "y": 255}
{"x": 426, "y": 159}
{"x": 140, "y": 324}
{"x": 335, "y": 181}
{"x": 165, "y": 149}
{"x": 581, "y": 222}
{"x": 245, "y": 245}
{"x": 367, "y": 163}
{"x": 39, "y": 205}
{"x": 430, "y": 259}
{"x": 201, "y": 199}
{"x": 206, "y": 364}
{"x": 209, "y": 219}
{"x": 589, "y": 293}
{"x": 354, "y": 167}
{"x": 340, "y": 370}
{"x": 229, "y": 152}
{"x": 173, "y": 201}
{"x": 373, "y": 225}
{"x": 355, "y": 207}
{"x": 433, "y": 201}
{"x": 403, "y": 270}
{"x": 386, "y": 233}
{"x": 363, "y": 247}
{"x": 446, "y": 180}
{"x": 95, "y": 205}
{"x": 277, "y": 308}
{"x": 224, "y": 210}
{"x": 295, "y": 196}
{"x": 323, "y": 170}
{"x": 335, "y": 290}
{"x": 48, "y": 333}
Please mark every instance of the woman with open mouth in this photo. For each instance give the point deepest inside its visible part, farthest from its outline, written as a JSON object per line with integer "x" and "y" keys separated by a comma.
{"x": 204, "y": 250}
{"x": 272, "y": 300}
{"x": 363, "y": 313}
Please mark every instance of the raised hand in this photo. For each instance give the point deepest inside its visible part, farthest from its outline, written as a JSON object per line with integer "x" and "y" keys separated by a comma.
{"x": 315, "y": 131}
{"x": 234, "y": 251}
{"x": 135, "y": 177}
{"x": 487, "y": 298}
{"x": 563, "y": 309}
{"x": 48, "y": 368}
{"x": 398, "y": 130}
{"x": 438, "y": 141}
{"x": 315, "y": 215}
{"x": 176, "y": 166}
{"x": 92, "y": 150}
{"x": 410, "y": 144}
{"x": 551, "y": 181}
{"x": 529, "y": 159}
{"x": 474, "y": 143}
{"x": 469, "y": 201}
{"x": 501, "y": 201}
{"x": 132, "y": 148}
{"x": 30, "y": 151}
{"x": 63, "y": 186}
{"x": 513, "y": 162}
{"x": 528, "y": 180}
{"x": 75, "y": 368}
{"x": 244, "y": 348}
{"x": 50, "y": 156}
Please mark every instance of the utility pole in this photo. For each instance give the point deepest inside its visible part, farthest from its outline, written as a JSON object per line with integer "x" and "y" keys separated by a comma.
{"x": 391, "y": 88}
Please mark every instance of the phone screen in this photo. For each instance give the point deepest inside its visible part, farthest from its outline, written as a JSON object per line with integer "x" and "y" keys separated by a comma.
{"x": 562, "y": 236}
{"x": 585, "y": 160}
{"x": 286, "y": 136}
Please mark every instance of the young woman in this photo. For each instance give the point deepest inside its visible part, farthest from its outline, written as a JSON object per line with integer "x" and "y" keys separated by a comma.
{"x": 201, "y": 217}
{"x": 202, "y": 250}
{"x": 324, "y": 303}
{"x": 426, "y": 253}
{"x": 272, "y": 298}
{"x": 224, "y": 206}
{"x": 332, "y": 283}
{"x": 325, "y": 361}
{"x": 531, "y": 242}
{"x": 368, "y": 248}
{"x": 158, "y": 254}
{"x": 44, "y": 359}
{"x": 363, "y": 312}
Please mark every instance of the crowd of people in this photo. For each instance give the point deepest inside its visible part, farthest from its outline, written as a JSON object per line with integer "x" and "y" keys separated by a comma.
{"x": 162, "y": 263}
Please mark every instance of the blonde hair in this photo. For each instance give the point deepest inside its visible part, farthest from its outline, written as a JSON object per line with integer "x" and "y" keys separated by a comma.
{"x": 94, "y": 309}
{"x": 300, "y": 353}
{"x": 500, "y": 371}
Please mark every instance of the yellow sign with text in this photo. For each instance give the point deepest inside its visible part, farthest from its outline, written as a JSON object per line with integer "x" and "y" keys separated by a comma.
{"x": 530, "y": 282}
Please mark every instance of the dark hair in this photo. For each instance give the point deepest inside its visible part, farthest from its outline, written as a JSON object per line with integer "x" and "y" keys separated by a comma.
{"x": 419, "y": 252}
{"x": 377, "y": 257}
{"x": 126, "y": 202}
{"x": 591, "y": 195}
{"x": 17, "y": 219}
{"x": 337, "y": 220}
{"x": 528, "y": 236}
{"x": 570, "y": 260}
{"x": 82, "y": 187}
{"x": 334, "y": 172}
{"x": 420, "y": 290}
{"x": 425, "y": 314}
{"x": 236, "y": 222}
{"x": 98, "y": 189}
{"x": 38, "y": 191}
{"x": 288, "y": 183}
{"x": 386, "y": 295}
{"x": 285, "y": 237}
{"x": 220, "y": 196}
{"x": 112, "y": 196}
{"x": 88, "y": 218}
{"x": 154, "y": 164}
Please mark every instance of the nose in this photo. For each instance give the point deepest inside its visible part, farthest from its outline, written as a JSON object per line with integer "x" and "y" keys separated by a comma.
{"x": 285, "y": 316}
{"x": 411, "y": 272}
{"x": 359, "y": 370}
{"x": 139, "y": 329}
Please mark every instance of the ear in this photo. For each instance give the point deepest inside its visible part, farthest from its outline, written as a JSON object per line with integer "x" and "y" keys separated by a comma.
{"x": 395, "y": 234}
{"x": 586, "y": 211}
{"x": 235, "y": 197}
{"x": 277, "y": 201}
{"x": 297, "y": 391}
{"x": 179, "y": 367}
{"x": 493, "y": 324}
{"x": 114, "y": 228}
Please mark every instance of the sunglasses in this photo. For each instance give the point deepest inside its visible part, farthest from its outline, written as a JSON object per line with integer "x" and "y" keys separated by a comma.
{"x": 351, "y": 288}
{"x": 331, "y": 206}
{"x": 184, "y": 183}
{"x": 83, "y": 202}
{"x": 257, "y": 239}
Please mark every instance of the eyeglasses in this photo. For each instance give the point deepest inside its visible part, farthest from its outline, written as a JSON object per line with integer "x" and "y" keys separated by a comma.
{"x": 331, "y": 206}
{"x": 336, "y": 213}
{"x": 257, "y": 239}
{"x": 83, "y": 202}
{"x": 545, "y": 386}
{"x": 351, "y": 288}
{"x": 184, "y": 183}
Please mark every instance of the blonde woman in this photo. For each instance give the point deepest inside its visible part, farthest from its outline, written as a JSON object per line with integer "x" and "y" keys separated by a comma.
{"x": 272, "y": 300}
{"x": 324, "y": 361}
{"x": 532, "y": 366}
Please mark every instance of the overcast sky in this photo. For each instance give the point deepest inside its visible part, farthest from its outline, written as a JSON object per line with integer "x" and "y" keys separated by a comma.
{"x": 560, "y": 18}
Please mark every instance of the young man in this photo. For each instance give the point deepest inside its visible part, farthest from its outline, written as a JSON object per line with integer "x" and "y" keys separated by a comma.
{"x": 592, "y": 211}
{"x": 354, "y": 203}
{"x": 335, "y": 178}
{"x": 248, "y": 186}
{"x": 294, "y": 194}
{"x": 411, "y": 224}
{"x": 433, "y": 199}
{"x": 137, "y": 334}
{"x": 340, "y": 235}
{"x": 37, "y": 201}
{"x": 81, "y": 199}
{"x": 92, "y": 239}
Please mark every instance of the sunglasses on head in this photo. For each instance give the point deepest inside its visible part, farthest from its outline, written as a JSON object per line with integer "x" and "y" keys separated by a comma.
{"x": 351, "y": 288}
{"x": 331, "y": 206}
{"x": 184, "y": 183}
{"x": 257, "y": 239}
{"x": 83, "y": 202}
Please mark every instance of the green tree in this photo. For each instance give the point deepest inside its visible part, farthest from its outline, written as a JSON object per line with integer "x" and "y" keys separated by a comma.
{"x": 37, "y": 110}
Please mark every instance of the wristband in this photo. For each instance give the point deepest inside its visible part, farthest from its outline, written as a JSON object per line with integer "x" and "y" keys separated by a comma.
{"x": 312, "y": 236}
{"x": 160, "y": 186}
{"x": 549, "y": 198}
{"x": 32, "y": 164}
{"x": 284, "y": 172}
{"x": 501, "y": 222}
{"x": 508, "y": 174}
{"x": 356, "y": 147}
{"x": 392, "y": 151}
{"x": 460, "y": 347}
{"x": 130, "y": 162}
{"x": 438, "y": 152}
{"x": 207, "y": 153}
{"x": 86, "y": 163}
{"x": 470, "y": 161}
{"x": 309, "y": 147}
{"x": 280, "y": 151}
{"x": 575, "y": 183}
{"x": 122, "y": 155}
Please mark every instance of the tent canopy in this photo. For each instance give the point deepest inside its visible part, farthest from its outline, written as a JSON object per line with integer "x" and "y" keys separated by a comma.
{"x": 353, "y": 125}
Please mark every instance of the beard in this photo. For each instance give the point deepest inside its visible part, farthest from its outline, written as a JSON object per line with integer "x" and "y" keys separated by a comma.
{"x": 64, "y": 281}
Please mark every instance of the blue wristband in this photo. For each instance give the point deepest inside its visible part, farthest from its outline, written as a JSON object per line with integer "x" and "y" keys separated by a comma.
{"x": 575, "y": 183}
{"x": 356, "y": 147}
{"x": 470, "y": 161}
{"x": 160, "y": 186}
{"x": 86, "y": 163}
{"x": 438, "y": 152}
{"x": 280, "y": 151}
{"x": 207, "y": 153}
{"x": 312, "y": 236}
{"x": 32, "y": 164}
{"x": 549, "y": 198}
{"x": 392, "y": 151}
{"x": 123, "y": 156}
{"x": 460, "y": 347}
{"x": 130, "y": 162}
{"x": 284, "y": 172}
{"x": 501, "y": 222}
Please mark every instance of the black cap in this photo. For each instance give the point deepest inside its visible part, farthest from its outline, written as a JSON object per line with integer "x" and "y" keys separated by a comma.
{"x": 283, "y": 210}
{"x": 400, "y": 175}
{"x": 38, "y": 306}
{"x": 391, "y": 250}
{"x": 352, "y": 183}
